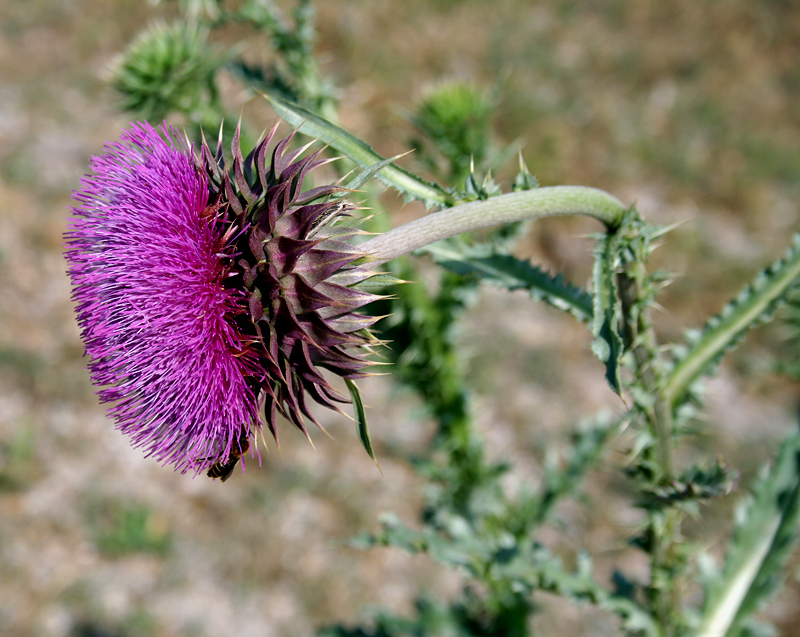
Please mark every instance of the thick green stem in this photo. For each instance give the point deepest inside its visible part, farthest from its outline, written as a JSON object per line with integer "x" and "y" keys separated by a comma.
{"x": 515, "y": 206}
{"x": 664, "y": 530}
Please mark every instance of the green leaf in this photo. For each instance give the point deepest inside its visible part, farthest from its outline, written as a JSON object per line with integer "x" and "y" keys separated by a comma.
{"x": 524, "y": 179}
{"x": 476, "y": 188}
{"x": 512, "y": 273}
{"x": 755, "y": 305}
{"x": 607, "y": 344}
{"x": 697, "y": 483}
{"x": 561, "y": 481}
{"x": 370, "y": 171}
{"x": 761, "y": 547}
{"x": 361, "y": 419}
{"x": 524, "y": 566}
{"x": 360, "y": 152}
{"x": 379, "y": 281}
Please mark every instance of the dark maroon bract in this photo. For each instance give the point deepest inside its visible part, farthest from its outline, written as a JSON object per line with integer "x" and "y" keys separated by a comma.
{"x": 209, "y": 301}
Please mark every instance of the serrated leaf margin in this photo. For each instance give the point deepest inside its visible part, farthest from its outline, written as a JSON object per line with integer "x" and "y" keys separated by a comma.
{"x": 514, "y": 274}
{"x": 754, "y": 305}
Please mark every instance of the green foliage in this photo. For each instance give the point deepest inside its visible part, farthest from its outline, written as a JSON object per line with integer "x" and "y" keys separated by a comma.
{"x": 494, "y": 266}
{"x": 170, "y": 69}
{"x": 754, "y": 305}
{"x": 561, "y": 480}
{"x": 293, "y": 73}
{"x": 419, "y": 330}
{"x": 408, "y": 184}
{"x": 619, "y": 255}
{"x": 607, "y": 344}
{"x": 491, "y": 538}
{"x": 469, "y": 521}
{"x": 361, "y": 418}
{"x": 465, "y": 618}
{"x": 697, "y": 483}
{"x": 453, "y": 120}
{"x": 765, "y": 534}
{"x": 173, "y": 68}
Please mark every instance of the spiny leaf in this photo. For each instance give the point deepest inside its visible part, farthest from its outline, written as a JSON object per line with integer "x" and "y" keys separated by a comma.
{"x": 761, "y": 547}
{"x": 524, "y": 179}
{"x": 512, "y": 273}
{"x": 756, "y": 304}
{"x": 607, "y": 344}
{"x": 379, "y": 281}
{"x": 367, "y": 173}
{"x": 476, "y": 188}
{"x": 361, "y": 419}
{"x": 522, "y": 565}
{"x": 360, "y": 152}
{"x": 697, "y": 483}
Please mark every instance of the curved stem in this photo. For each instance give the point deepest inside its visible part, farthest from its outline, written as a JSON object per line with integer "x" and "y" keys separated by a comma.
{"x": 515, "y": 206}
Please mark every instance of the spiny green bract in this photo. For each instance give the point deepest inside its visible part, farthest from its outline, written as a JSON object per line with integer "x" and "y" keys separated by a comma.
{"x": 454, "y": 118}
{"x": 167, "y": 68}
{"x": 299, "y": 274}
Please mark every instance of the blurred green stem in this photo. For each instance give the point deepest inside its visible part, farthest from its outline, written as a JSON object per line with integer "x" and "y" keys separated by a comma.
{"x": 515, "y": 206}
{"x": 640, "y": 338}
{"x": 664, "y": 525}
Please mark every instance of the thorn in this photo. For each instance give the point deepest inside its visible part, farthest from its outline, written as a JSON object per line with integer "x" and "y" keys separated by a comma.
{"x": 325, "y": 431}
{"x": 311, "y": 442}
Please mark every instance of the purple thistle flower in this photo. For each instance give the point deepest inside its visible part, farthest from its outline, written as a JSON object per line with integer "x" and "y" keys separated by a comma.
{"x": 149, "y": 256}
{"x": 210, "y": 300}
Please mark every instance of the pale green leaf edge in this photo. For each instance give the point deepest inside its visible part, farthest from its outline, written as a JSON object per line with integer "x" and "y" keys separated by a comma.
{"x": 367, "y": 173}
{"x": 761, "y": 546}
{"x": 607, "y": 344}
{"x": 361, "y": 153}
{"x": 756, "y": 304}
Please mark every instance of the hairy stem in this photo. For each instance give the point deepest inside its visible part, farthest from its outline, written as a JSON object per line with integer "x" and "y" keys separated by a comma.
{"x": 515, "y": 206}
{"x": 640, "y": 337}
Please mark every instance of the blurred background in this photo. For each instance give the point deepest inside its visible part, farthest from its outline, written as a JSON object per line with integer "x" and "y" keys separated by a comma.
{"x": 690, "y": 109}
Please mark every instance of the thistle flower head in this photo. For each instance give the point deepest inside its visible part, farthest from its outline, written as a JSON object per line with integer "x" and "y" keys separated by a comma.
{"x": 168, "y": 68}
{"x": 297, "y": 271}
{"x": 208, "y": 302}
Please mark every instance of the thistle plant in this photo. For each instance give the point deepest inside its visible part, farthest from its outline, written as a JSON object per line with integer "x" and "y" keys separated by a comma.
{"x": 216, "y": 297}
